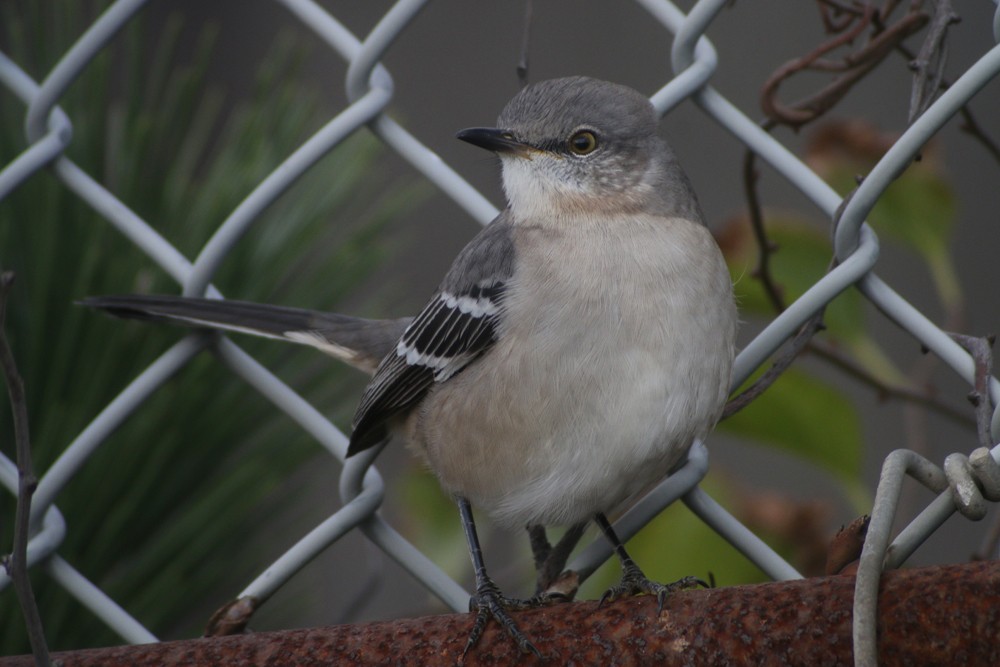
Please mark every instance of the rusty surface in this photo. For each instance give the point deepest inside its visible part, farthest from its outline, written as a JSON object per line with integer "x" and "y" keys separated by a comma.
{"x": 939, "y": 615}
{"x": 845, "y": 550}
{"x": 232, "y": 618}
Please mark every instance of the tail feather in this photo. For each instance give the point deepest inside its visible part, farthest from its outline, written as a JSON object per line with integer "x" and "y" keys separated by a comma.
{"x": 359, "y": 342}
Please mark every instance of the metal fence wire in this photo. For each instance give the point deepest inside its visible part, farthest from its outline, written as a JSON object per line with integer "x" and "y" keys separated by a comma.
{"x": 369, "y": 87}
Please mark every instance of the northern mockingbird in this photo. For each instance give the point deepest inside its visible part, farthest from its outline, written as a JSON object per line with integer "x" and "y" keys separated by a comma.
{"x": 576, "y": 347}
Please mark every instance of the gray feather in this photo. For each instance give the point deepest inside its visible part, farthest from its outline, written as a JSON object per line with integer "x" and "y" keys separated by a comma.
{"x": 357, "y": 341}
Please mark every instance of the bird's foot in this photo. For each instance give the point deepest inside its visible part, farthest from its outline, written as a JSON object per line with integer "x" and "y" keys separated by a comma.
{"x": 634, "y": 582}
{"x": 489, "y": 602}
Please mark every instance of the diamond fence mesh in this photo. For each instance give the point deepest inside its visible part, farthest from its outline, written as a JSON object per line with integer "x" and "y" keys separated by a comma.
{"x": 369, "y": 87}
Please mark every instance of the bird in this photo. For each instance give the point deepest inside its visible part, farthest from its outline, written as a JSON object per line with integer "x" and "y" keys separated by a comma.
{"x": 573, "y": 352}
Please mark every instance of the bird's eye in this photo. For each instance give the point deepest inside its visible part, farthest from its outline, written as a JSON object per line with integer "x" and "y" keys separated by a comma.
{"x": 583, "y": 142}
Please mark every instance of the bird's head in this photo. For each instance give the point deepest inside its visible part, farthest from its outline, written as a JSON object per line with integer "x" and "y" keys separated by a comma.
{"x": 579, "y": 144}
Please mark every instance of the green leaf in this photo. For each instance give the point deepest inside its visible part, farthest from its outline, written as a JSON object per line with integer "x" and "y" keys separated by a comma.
{"x": 678, "y": 544}
{"x": 801, "y": 257}
{"x": 807, "y": 417}
{"x": 917, "y": 210}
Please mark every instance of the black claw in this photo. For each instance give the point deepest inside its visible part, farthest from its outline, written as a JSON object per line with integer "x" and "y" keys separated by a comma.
{"x": 477, "y": 629}
{"x": 489, "y": 602}
{"x": 634, "y": 582}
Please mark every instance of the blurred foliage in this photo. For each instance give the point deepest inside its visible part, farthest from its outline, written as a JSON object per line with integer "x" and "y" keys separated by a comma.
{"x": 809, "y": 407}
{"x": 158, "y": 517}
{"x": 917, "y": 211}
{"x": 803, "y": 413}
{"x": 678, "y": 544}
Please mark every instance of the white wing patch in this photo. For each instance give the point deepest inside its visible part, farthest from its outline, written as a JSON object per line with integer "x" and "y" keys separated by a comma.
{"x": 476, "y": 307}
{"x": 441, "y": 338}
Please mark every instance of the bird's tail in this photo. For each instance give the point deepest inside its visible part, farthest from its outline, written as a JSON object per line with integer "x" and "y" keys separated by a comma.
{"x": 359, "y": 342}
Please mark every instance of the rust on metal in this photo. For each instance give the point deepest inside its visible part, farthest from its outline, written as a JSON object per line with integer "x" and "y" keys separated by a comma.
{"x": 845, "y": 550}
{"x": 937, "y": 615}
{"x": 232, "y": 618}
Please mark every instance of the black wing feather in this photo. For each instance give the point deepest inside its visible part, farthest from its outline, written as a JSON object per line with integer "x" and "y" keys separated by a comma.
{"x": 458, "y": 325}
{"x": 440, "y": 342}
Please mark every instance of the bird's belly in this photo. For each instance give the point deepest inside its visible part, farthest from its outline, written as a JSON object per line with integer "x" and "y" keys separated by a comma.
{"x": 598, "y": 383}
{"x": 553, "y": 438}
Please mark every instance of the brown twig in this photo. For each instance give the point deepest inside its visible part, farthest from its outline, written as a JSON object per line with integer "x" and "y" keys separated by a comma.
{"x": 832, "y": 10}
{"x": 812, "y": 326}
{"x": 17, "y": 564}
{"x": 981, "y": 351}
{"x": 853, "y": 66}
{"x": 971, "y": 126}
{"x": 852, "y": 368}
{"x": 928, "y": 66}
{"x": 808, "y": 329}
{"x": 822, "y": 350}
{"x": 969, "y": 123}
{"x": 765, "y": 247}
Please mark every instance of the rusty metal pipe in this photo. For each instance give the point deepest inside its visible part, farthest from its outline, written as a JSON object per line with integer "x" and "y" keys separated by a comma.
{"x": 936, "y": 615}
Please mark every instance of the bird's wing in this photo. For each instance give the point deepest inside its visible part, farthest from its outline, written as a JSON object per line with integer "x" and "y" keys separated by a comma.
{"x": 459, "y": 324}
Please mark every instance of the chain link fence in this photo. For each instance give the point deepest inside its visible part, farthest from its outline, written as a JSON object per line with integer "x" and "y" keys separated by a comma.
{"x": 369, "y": 89}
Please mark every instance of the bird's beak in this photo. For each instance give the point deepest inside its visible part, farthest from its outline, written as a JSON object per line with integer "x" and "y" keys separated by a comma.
{"x": 494, "y": 139}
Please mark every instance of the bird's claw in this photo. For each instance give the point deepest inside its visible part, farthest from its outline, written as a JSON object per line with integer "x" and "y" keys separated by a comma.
{"x": 489, "y": 602}
{"x": 634, "y": 582}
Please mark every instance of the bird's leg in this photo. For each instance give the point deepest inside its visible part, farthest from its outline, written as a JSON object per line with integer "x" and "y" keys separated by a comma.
{"x": 540, "y": 545}
{"x": 634, "y": 582}
{"x": 550, "y": 561}
{"x": 489, "y": 601}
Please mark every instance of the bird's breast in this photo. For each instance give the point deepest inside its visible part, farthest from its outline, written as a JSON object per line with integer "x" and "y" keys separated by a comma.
{"x": 614, "y": 353}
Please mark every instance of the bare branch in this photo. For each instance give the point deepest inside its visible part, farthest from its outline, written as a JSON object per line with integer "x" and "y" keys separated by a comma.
{"x": 765, "y": 247}
{"x": 971, "y": 126}
{"x": 853, "y": 66}
{"x": 822, "y": 350}
{"x": 837, "y": 16}
{"x": 17, "y": 564}
{"x": 812, "y": 326}
{"x": 928, "y": 66}
{"x": 839, "y": 360}
{"x": 969, "y": 123}
{"x": 981, "y": 350}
